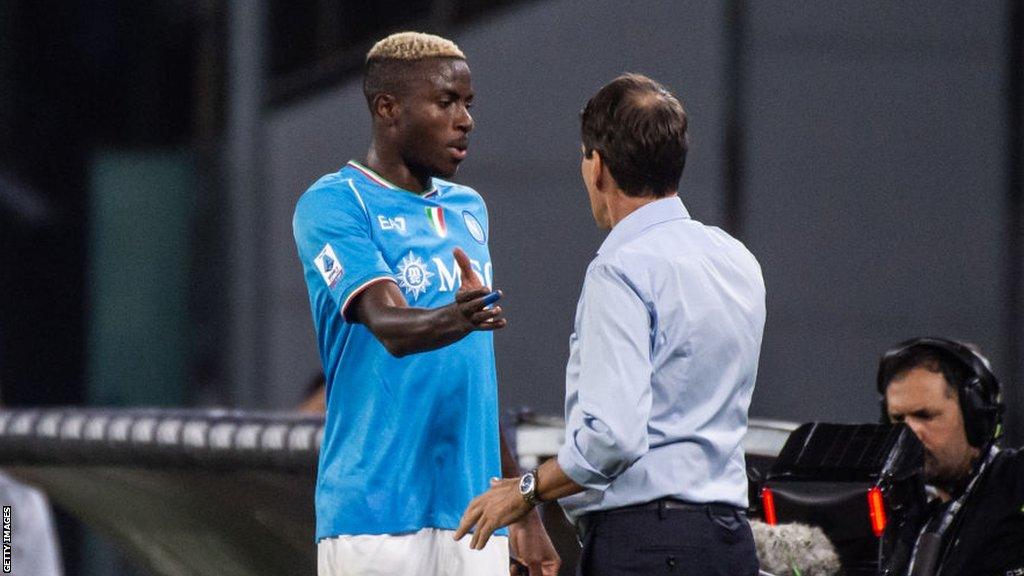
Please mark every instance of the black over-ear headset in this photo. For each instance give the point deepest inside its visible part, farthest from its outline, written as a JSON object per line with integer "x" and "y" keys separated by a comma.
{"x": 980, "y": 396}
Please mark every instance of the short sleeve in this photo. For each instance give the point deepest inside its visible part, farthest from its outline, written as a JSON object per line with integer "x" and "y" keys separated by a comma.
{"x": 335, "y": 242}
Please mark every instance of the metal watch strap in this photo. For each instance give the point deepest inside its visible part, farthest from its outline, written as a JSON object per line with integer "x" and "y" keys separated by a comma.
{"x": 531, "y": 497}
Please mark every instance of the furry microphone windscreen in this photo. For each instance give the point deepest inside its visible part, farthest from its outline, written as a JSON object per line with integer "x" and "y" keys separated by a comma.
{"x": 791, "y": 549}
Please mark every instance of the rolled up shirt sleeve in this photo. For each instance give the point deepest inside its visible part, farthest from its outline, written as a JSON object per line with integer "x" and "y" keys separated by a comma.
{"x": 606, "y": 426}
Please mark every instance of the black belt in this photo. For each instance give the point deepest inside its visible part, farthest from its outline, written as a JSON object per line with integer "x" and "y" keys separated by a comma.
{"x": 585, "y": 522}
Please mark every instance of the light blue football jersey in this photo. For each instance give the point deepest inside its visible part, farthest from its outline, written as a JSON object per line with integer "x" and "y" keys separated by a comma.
{"x": 408, "y": 442}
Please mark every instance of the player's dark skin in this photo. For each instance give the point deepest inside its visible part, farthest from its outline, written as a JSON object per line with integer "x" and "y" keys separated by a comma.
{"x": 404, "y": 330}
{"x": 423, "y": 129}
{"x": 420, "y": 133}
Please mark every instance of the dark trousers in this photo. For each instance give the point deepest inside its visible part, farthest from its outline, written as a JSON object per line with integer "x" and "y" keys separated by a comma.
{"x": 677, "y": 539}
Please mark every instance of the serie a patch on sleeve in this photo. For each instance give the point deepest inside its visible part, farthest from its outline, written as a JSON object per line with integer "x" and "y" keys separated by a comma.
{"x": 329, "y": 266}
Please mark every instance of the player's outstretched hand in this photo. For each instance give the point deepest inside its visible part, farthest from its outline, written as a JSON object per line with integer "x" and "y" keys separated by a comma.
{"x": 470, "y": 279}
{"x": 470, "y": 299}
{"x": 472, "y": 308}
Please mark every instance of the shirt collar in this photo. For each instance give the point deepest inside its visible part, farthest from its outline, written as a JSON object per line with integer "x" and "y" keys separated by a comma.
{"x": 643, "y": 218}
{"x": 382, "y": 181}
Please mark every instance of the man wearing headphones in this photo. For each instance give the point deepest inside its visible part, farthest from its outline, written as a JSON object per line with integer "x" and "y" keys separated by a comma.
{"x": 946, "y": 393}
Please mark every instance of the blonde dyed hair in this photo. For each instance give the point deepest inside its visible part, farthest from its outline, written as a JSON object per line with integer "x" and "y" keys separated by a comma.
{"x": 410, "y": 46}
{"x": 394, "y": 63}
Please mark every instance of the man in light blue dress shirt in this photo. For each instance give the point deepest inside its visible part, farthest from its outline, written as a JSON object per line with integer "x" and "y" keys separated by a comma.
{"x": 661, "y": 368}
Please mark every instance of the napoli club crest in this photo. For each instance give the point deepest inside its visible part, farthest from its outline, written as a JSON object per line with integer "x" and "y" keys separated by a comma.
{"x": 474, "y": 227}
{"x": 413, "y": 277}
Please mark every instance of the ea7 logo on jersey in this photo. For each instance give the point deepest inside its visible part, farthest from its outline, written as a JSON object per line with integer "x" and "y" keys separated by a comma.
{"x": 396, "y": 223}
{"x": 329, "y": 266}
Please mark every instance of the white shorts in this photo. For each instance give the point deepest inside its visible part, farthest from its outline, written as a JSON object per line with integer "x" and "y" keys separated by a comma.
{"x": 429, "y": 552}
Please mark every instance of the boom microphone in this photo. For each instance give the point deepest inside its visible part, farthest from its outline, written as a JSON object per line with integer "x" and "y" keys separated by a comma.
{"x": 790, "y": 549}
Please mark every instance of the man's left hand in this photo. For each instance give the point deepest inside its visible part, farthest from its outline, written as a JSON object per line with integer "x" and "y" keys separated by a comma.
{"x": 498, "y": 507}
{"x": 529, "y": 543}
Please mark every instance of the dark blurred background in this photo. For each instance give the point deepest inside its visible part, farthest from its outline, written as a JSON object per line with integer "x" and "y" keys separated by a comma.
{"x": 151, "y": 154}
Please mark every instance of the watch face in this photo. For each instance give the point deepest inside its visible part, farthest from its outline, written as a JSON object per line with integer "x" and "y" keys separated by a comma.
{"x": 526, "y": 484}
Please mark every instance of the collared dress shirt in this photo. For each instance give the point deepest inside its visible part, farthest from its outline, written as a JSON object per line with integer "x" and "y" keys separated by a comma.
{"x": 662, "y": 363}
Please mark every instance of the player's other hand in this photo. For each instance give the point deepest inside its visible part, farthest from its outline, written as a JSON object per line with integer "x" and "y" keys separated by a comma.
{"x": 469, "y": 300}
{"x": 529, "y": 544}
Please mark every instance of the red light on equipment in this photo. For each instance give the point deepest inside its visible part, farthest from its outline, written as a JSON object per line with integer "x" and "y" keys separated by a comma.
{"x": 768, "y": 505}
{"x": 876, "y": 509}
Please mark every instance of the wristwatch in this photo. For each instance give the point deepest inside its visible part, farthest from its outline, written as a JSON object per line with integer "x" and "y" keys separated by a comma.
{"x": 528, "y": 488}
